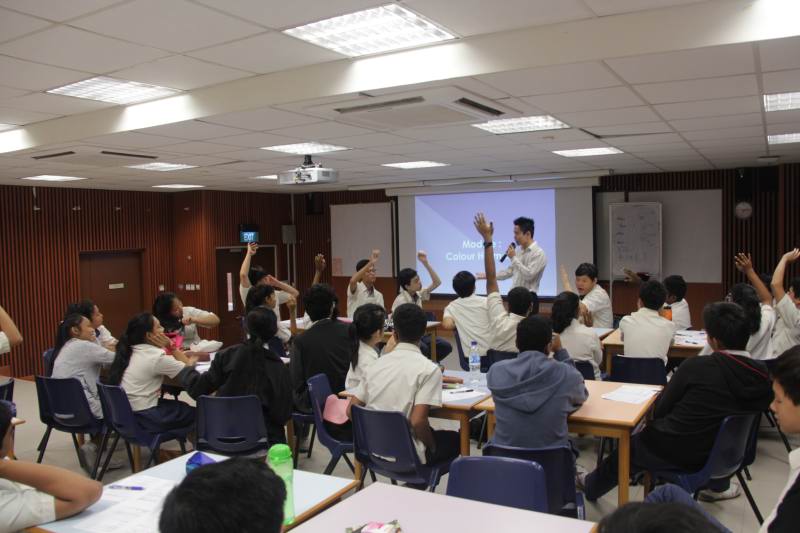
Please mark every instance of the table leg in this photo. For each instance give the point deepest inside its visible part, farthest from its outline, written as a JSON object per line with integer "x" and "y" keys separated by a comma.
{"x": 624, "y": 469}
{"x": 290, "y": 436}
{"x": 464, "y": 433}
{"x": 359, "y": 469}
{"x": 137, "y": 458}
{"x": 490, "y": 423}
{"x": 434, "y": 357}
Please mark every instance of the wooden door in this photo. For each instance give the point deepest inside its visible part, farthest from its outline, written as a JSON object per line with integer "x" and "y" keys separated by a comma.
{"x": 113, "y": 280}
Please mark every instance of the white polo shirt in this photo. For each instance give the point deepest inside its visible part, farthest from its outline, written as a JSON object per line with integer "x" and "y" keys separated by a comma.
{"x": 647, "y": 334}
{"x": 599, "y": 304}
{"x": 787, "y": 330}
{"x": 471, "y": 316}
{"x": 366, "y": 356}
{"x": 794, "y": 472}
{"x": 361, "y": 296}
{"x": 280, "y": 296}
{"x": 400, "y": 380}
{"x": 22, "y": 506}
{"x": 144, "y": 376}
{"x": 404, "y": 297}
{"x": 104, "y": 336}
{"x": 759, "y": 345}
{"x": 190, "y": 335}
{"x": 502, "y": 324}
{"x": 526, "y": 268}
{"x": 681, "y": 315}
{"x": 5, "y": 345}
{"x": 583, "y": 344}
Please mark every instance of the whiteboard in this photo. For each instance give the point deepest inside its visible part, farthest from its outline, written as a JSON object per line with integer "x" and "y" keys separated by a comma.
{"x": 356, "y": 230}
{"x": 635, "y": 238}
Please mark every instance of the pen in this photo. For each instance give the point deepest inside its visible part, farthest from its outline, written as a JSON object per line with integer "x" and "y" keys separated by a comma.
{"x": 125, "y": 487}
{"x": 460, "y": 391}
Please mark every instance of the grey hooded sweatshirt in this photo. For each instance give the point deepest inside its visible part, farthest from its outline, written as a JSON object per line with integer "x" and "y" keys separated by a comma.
{"x": 533, "y": 396}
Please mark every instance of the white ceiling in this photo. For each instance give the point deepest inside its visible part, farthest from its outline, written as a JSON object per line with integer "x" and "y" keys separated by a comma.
{"x": 689, "y": 109}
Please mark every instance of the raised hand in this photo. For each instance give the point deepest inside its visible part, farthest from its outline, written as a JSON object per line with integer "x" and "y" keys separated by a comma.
{"x": 422, "y": 256}
{"x": 512, "y": 251}
{"x": 272, "y": 280}
{"x": 319, "y": 262}
{"x": 252, "y": 248}
{"x": 792, "y": 256}
{"x": 743, "y": 262}
{"x": 484, "y": 227}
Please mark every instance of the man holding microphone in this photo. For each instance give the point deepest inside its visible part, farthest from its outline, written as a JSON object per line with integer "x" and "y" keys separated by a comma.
{"x": 528, "y": 264}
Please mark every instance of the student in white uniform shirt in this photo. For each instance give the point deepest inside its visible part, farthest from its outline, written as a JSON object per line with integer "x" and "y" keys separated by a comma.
{"x": 10, "y": 336}
{"x": 527, "y": 266}
{"x": 361, "y": 289}
{"x": 676, "y": 301}
{"x": 183, "y": 320}
{"x": 787, "y": 330}
{"x": 264, "y": 296}
{"x": 645, "y": 332}
{"x": 595, "y": 303}
{"x": 32, "y": 494}
{"x": 468, "y": 314}
{"x": 366, "y": 331}
{"x": 253, "y": 276}
{"x": 87, "y": 308}
{"x": 581, "y": 342}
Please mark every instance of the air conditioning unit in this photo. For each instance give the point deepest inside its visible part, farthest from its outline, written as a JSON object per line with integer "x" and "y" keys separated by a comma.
{"x": 308, "y": 173}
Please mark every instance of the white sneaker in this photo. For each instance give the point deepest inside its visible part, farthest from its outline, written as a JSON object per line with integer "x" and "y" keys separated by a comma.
{"x": 89, "y": 453}
{"x": 708, "y": 495}
{"x": 580, "y": 477}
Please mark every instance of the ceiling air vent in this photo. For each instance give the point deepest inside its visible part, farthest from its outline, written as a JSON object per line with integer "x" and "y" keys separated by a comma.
{"x": 94, "y": 156}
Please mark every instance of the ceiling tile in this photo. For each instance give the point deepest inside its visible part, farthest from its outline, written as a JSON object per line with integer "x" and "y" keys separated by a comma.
{"x": 626, "y": 115}
{"x": 261, "y": 119}
{"x": 443, "y": 132}
{"x": 80, "y": 50}
{"x": 55, "y": 104}
{"x": 57, "y": 11}
{"x": 269, "y": 52}
{"x": 546, "y": 137}
{"x": 589, "y": 100}
{"x": 703, "y": 89}
{"x": 686, "y": 64}
{"x": 8, "y": 92}
{"x": 639, "y": 140}
{"x": 478, "y": 142}
{"x": 198, "y": 148}
{"x": 131, "y": 139}
{"x": 552, "y": 79}
{"x": 707, "y": 123}
{"x": 256, "y": 154}
{"x": 788, "y": 127}
{"x": 639, "y": 128}
{"x": 20, "y": 116}
{"x": 780, "y": 54}
{"x": 370, "y": 140}
{"x": 787, "y": 81}
{"x": 195, "y": 130}
{"x": 724, "y": 133}
{"x": 256, "y": 140}
{"x": 35, "y": 77}
{"x": 412, "y": 148}
{"x": 710, "y": 108}
{"x": 729, "y": 144}
{"x": 176, "y": 25}
{"x": 781, "y": 117}
{"x": 616, "y": 7}
{"x": 321, "y": 130}
{"x": 13, "y": 25}
{"x": 281, "y": 15}
{"x": 180, "y": 72}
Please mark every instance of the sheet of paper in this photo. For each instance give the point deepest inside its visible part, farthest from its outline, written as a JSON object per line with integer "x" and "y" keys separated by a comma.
{"x": 133, "y": 511}
{"x": 635, "y": 394}
{"x": 690, "y": 337}
{"x": 461, "y": 393}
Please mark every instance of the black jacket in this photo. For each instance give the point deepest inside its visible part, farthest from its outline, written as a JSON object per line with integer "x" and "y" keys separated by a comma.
{"x": 325, "y": 348}
{"x": 702, "y": 392}
{"x": 787, "y": 519}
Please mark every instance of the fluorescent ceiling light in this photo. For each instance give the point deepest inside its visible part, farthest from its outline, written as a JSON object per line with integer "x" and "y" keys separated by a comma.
{"x": 784, "y": 138}
{"x": 372, "y": 31}
{"x": 178, "y": 186}
{"x": 7, "y": 126}
{"x": 781, "y": 101}
{"x": 522, "y": 124}
{"x": 162, "y": 167}
{"x": 305, "y": 148}
{"x": 585, "y": 152}
{"x": 114, "y": 91}
{"x": 416, "y": 164}
{"x": 270, "y": 177}
{"x": 45, "y": 177}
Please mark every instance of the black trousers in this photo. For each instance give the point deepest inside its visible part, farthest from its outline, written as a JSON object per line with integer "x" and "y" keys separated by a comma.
{"x": 448, "y": 446}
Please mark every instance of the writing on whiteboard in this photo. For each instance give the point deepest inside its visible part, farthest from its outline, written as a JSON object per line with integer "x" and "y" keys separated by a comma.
{"x": 636, "y": 237}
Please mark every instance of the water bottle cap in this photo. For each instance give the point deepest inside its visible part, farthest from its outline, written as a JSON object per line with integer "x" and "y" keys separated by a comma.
{"x": 473, "y": 343}
{"x": 279, "y": 453}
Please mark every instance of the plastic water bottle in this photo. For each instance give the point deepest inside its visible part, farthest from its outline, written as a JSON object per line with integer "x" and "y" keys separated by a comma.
{"x": 474, "y": 362}
{"x": 279, "y": 458}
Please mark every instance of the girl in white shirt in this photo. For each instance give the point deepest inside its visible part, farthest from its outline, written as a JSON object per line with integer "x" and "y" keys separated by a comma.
{"x": 266, "y": 296}
{"x": 581, "y": 342}
{"x": 174, "y": 317}
{"x": 366, "y": 331}
{"x": 87, "y": 308}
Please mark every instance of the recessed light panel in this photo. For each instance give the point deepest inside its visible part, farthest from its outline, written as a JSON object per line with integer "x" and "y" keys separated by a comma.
{"x": 522, "y": 124}
{"x": 305, "y": 148}
{"x": 162, "y": 167}
{"x": 416, "y": 164}
{"x": 114, "y": 91}
{"x": 587, "y": 152}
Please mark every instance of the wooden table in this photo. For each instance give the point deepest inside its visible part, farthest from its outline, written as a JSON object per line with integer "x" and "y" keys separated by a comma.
{"x": 601, "y": 418}
{"x": 418, "y": 510}
{"x": 613, "y": 345}
{"x": 14, "y": 423}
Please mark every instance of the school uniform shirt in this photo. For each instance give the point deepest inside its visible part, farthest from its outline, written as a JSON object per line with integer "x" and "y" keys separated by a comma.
{"x": 362, "y": 295}
{"x": 583, "y": 344}
{"x": 144, "y": 376}
{"x": 103, "y": 336}
{"x": 405, "y": 297}
{"x": 526, "y": 268}
{"x": 471, "y": 316}
{"x": 5, "y": 346}
{"x": 83, "y": 360}
{"x": 787, "y": 330}
{"x": 190, "y": 335}
{"x": 22, "y": 506}
{"x": 280, "y": 296}
{"x": 599, "y": 304}
{"x": 647, "y": 334}
{"x": 785, "y": 517}
{"x": 366, "y": 356}
{"x": 503, "y": 325}
{"x": 681, "y": 315}
{"x": 398, "y": 381}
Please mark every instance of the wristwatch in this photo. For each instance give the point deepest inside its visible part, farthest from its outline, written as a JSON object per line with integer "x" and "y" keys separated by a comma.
{"x": 487, "y": 244}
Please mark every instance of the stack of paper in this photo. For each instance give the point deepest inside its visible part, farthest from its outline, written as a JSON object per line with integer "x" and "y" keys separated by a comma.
{"x": 635, "y": 394}
{"x": 133, "y": 511}
{"x": 690, "y": 337}
{"x": 462, "y": 393}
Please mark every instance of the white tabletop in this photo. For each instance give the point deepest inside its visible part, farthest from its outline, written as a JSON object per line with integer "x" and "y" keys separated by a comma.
{"x": 310, "y": 489}
{"x": 424, "y": 511}
{"x": 468, "y": 384}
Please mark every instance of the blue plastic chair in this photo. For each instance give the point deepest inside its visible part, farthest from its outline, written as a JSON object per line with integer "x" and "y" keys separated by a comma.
{"x": 318, "y": 391}
{"x": 48, "y": 361}
{"x": 7, "y": 390}
{"x": 586, "y": 369}
{"x": 495, "y": 356}
{"x": 299, "y": 419}
{"x": 231, "y": 425}
{"x": 499, "y": 480}
{"x": 383, "y": 444}
{"x": 644, "y": 370}
{"x": 558, "y": 463}
{"x": 63, "y": 406}
{"x": 120, "y": 419}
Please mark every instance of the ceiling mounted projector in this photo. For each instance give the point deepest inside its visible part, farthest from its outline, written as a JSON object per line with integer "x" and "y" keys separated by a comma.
{"x": 308, "y": 173}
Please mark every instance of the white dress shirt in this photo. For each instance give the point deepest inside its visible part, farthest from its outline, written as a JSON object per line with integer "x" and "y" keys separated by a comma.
{"x": 144, "y": 376}
{"x": 759, "y": 345}
{"x": 583, "y": 344}
{"x": 599, "y": 304}
{"x": 526, "y": 268}
{"x": 190, "y": 335}
{"x": 5, "y": 345}
{"x": 794, "y": 472}
{"x": 503, "y": 325}
{"x": 681, "y": 315}
{"x": 471, "y": 316}
{"x": 647, "y": 334}
{"x": 280, "y": 296}
{"x": 366, "y": 356}
{"x": 404, "y": 297}
{"x": 787, "y": 330}
{"x": 361, "y": 296}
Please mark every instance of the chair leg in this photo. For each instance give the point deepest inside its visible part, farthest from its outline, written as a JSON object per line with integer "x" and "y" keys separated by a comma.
{"x": 602, "y": 451}
{"x": 483, "y": 431}
{"x": 750, "y": 498}
{"x": 311, "y": 439}
{"x": 182, "y": 444}
{"x": 349, "y": 464}
{"x": 103, "y": 443}
{"x": 108, "y": 458}
{"x": 78, "y": 452}
{"x": 747, "y": 474}
{"x": 371, "y": 475}
{"x": 153, "y": 456}
{"x": 394, "y": 482}
{"x": 296, "y": 448}
{"x": 43, "y": 443}
{"x": 331, "y": 465}
{"x": 130, "y": 456}
{"x": 363, "y": 477}
{"x": 783, "y": 438}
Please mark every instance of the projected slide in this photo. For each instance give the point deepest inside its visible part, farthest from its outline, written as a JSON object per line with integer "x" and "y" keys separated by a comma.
{"x": 444, "y": 229}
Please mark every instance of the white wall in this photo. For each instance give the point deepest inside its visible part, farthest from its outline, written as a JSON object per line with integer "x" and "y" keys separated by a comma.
{"x": 574, "y": 230}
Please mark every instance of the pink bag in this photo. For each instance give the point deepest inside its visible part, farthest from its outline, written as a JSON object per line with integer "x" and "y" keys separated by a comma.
{"x": 335, "y": 410}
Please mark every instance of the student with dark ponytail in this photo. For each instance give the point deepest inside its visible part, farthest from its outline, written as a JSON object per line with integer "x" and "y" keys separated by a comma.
{"x": 366, "y": 331}
{"x": 87, "y": 308}
{"x": 182, "y": 319}
{"x": 252, "y": 368}
{"x": 581, "y": 342}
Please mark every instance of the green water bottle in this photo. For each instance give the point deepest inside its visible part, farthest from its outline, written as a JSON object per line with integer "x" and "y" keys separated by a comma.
{"x": 279, "y": 458}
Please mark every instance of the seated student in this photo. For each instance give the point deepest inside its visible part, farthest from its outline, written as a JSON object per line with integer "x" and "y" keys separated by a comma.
{"x": 469, "y": 314}
{"x": 366, "y": 331}
{"x": 411, "y": 292}
{"x": 10, "y": 336}
{"x": 645, "y": 332}
{"x": 534, "y": 394}
{"x": 264, "y": 296}
{"x": 701, "y": 393}
{"x": 252, "y": 368}
{"x": 787, "y": 329}
{"x": 595, "y": 303}
{"x": 676, "y": 301}
{"x": 87, "y": 308}
{"x": 174, "y": 317}
{"x": 785, "y": 517}
{"x": 581, "y": 342}
{"x": 405, "y": 380}
{"x": 239, "y": 494}
{"x": 139, "y": 367}
{"x": 32, "y": 494}
{"x": 255, "y": 276}
{"x": 361, "y": 289}
{"x": 502, "y": 323}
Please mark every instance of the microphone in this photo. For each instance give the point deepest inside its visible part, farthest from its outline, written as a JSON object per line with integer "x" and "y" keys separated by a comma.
{"x": 505, "y": 255}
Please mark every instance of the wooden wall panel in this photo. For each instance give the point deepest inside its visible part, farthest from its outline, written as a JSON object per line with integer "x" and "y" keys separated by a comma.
{"x": 790, "y": 211}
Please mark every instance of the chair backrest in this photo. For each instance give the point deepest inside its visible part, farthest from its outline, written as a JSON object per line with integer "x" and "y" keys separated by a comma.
{"x": 382, "y": 442}
{"x": 276, "y": 346}
{"x": 48, "y": 361}
{"x": 319, "y": 388}
{"x": 499, "y": 480}
{"x": 118, "y": 412}
{"x": 231, "y": 424}
{"x": 558, "y": 463}
{"x": 586, "y": 369}
{"x": 495, "y": 356}
{"x": 752, "y": 442}
{"x": 730, "y": 447}
{"x": 44, "y": 404}
{"x": 66, "y": 403}
{"x": 644, "y": 370}
{"x": 462, "y": 359}
{"x": 7, "y": 390}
